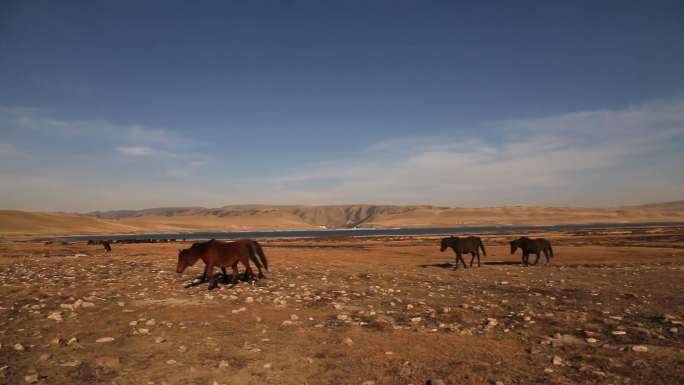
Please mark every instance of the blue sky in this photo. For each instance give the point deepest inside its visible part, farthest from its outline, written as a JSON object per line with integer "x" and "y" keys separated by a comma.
{"x": 107, "y": 105}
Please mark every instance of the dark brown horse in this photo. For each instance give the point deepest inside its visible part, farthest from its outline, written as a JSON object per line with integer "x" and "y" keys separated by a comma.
{"x": 223, "y": 254}
{"x": 107, "y": 246}
{"x": 532, "y": 246}
{"x": 465, "y": 245}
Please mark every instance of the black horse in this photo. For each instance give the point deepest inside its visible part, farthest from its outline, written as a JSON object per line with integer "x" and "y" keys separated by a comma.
{"x": 532, "y": 246}
{"x": 465, "y": 245}
{"x": 107, "y": 246}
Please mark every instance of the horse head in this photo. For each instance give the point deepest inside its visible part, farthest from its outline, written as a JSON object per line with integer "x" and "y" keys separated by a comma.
{"x": 445, "y": 244}
{"x": 185, "y": 259}
{"x": 514, "y": 246}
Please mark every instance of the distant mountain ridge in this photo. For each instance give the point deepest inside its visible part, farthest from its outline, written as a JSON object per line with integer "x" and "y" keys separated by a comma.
{"x": 273, "y": 217}
{"x": 330, "y": 216}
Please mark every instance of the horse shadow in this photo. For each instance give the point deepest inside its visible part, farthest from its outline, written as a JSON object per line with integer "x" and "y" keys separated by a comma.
{"x": 501, "y": 263}
{"x": 446, "y": 265}
{"x": 221, "y": 280}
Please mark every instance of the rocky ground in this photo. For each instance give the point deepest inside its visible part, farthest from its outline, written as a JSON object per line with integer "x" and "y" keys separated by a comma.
{"x": 607, "y": 310}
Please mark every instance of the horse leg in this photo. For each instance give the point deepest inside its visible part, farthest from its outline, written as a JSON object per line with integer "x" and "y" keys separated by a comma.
{"x": 248, "y": 269}
{"x": 224, "y": 273}
{"x": 546, "y": 254}
{"x": 536, "y": 260}
{"x": 210, "y": 276}
{"x": 235, "y": 274}
{"x": 477, "y": 252}
{"x": 460, "y": 256}
{"x": 472, "y": 259}
{"x": 526, "y": 259}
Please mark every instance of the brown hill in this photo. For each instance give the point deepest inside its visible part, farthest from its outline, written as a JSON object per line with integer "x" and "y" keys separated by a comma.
{"x": 264, "y": 217}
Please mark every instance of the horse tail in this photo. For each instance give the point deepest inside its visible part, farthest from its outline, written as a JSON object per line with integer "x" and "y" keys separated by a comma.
{"x": 482, "y": 247}
{"x": 260, "y": 252}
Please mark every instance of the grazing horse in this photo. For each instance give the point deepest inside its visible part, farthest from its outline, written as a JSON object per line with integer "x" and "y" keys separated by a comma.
{"x": 107, "y": 246}
{"x": 222, "y": 254}
{"x": 465, "y": 245}
{"x": 532, "y": 246}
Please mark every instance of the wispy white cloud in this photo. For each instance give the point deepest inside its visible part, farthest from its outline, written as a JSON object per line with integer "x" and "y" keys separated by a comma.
{"x": 601, "y": 157}
{"x": 136, "y": 151}
{"x": 552, "y": 159}
{"x": 8, "y": 149}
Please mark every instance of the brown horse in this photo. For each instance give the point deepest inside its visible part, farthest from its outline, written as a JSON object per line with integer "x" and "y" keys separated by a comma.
{"x": 223, "y": 254}
{"x": 465, "y": 245}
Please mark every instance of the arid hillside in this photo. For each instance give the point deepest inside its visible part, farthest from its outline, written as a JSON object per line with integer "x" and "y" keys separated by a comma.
{"x": 262, "y": 217}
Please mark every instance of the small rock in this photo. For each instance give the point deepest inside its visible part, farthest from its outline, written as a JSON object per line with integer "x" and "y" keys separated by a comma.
{"x": 640, "y": 348}
{"x": 171, "y": 362}
{"x": 107, "y": 362}
{"x": 56, "y": 316}
{"x": 224, "y": 364}
{"x": 71, "y": 364}
{"x": 435, "y": 382}
{"x": 151, "y": 322}
{"x": 31, "y": 378}
{"x": 18, "y": 347}
{"x": 159, "y": 340}
{"x": 348, "y": 341}
{"x": 368, "y": 383}
{"x": 618, "y": 333}
{"x": 557, "y": 360}
{"x": 267, "y": 366}
{"x": 294, "y": 317}
{"x": 104, "y": 339}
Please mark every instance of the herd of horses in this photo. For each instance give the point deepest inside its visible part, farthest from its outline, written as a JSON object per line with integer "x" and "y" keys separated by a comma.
{"x": 220, "y": 254}
{"x": 473, "y": 245}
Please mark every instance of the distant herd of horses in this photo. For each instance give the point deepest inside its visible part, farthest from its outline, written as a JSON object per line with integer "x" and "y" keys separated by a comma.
{"x": 220, "y": 254}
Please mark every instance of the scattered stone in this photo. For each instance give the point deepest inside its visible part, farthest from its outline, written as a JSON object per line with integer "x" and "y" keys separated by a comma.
{"x": 107, "y": 362}
{"x": 348, "y": 341}
{"x": 640, "y": 348}
{"x": 267, "y": 366}
{"x": 19, "y": 347}
{"x": 294, "y": 317}
{"x": 159, "y": 340}
{"x": 618, "y": 332}
{"x": 56, "y": 316}
{"x": 557, "y": 361}
{"x": 435, "y": 382}
{"x": 104, "y": 339}
{"x": 31, "y": 378}
{"x": 71, "y": 364}
{"x": 224, "y": 364}
{"x": 171, "y": 362}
